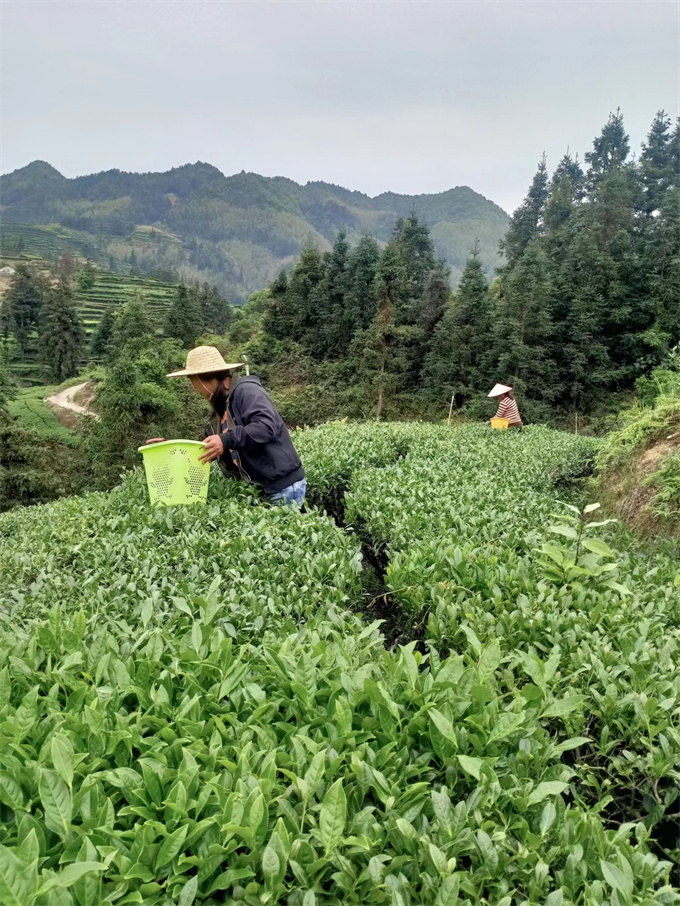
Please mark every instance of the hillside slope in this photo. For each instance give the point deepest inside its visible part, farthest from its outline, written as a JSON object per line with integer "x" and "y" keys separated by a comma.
{"x": 239, "y": 230}
{"x": 639, "y": 462}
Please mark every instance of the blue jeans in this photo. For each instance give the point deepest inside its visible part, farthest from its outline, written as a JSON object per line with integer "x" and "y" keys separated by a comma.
{"x": 293, "y": 495}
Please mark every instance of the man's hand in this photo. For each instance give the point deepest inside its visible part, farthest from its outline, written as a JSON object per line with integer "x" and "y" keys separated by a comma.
{"x": 213, "y": 448}
{"x": 155, "y": 440}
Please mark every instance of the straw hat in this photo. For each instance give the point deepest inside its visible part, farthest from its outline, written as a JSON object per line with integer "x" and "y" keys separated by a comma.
{"x": 500, "y": 389}
{"x": 204, "y": 360}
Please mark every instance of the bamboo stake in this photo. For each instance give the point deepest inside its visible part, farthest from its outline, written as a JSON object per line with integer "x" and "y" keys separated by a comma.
{"x": 453, "y": 395}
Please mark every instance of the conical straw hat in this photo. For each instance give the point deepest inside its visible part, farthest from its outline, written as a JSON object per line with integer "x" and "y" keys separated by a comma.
{"x": 204, "y": 360}
{"x": 500, "y": 389}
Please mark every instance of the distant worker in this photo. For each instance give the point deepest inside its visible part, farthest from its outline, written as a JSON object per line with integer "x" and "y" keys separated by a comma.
{"x": 508, "y": 408}
{"x": 248, "y": 437}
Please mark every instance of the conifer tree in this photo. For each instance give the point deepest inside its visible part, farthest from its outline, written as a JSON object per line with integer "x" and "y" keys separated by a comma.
{"x": 62, "y": 334}
{"x": 413, "y": 245}
{"x": 334, "y": 295}
{"x": 22, "y": 303}
{"x": 362, "y": 267}
{"x": 527, "y": 220}
{"x": 8, "y": 389}
{"x": 657, "y": 163}
{"x": 103, "y": 335}
{"x": 610, "y": 150}
{"x": 663, "y": 253}
{"x": 216, "y": 313}
{"x": 566, "y": 191}
{"x": 582, "y": 356}
{"x": 184, "y": 319}
{"x": 459, "y": 359}
{"x": 304, "y": 310}
{"x": 277, "y": 319}
{"x": 133, "y": 329}
{"x": 523, "y": 326}
{"x": 436, "y": 294}
{"x": 382, "y": 354}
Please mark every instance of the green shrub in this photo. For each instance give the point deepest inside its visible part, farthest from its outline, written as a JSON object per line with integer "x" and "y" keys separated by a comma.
{"x": 193, "y": 711}
{"x": 666, "y": 482}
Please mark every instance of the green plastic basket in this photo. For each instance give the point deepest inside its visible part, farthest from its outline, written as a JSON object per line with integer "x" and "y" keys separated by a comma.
{"x": 174, "y": 474}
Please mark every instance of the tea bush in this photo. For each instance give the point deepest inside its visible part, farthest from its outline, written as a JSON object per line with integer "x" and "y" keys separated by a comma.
{"x": 192, "y": 709}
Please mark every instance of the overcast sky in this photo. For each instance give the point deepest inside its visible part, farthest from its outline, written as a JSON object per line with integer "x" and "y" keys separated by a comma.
{"x": 408, "y": 97}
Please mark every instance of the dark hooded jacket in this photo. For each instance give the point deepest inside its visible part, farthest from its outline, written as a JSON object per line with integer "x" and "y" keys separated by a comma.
{"x": 265, "y": 453}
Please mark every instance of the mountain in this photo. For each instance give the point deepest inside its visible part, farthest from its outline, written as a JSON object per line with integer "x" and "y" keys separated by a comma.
{"x": 237, "y": 231}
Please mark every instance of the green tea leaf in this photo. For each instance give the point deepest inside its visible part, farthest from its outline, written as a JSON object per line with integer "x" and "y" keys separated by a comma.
{"x": 616, "y": 878}
{"x": 470, "y": 765}
{"x": 62, "y": 759}
{"x": 15, "y": 881}
{"x": 170, "y": 847}
{"x": 188, "y": 892}
{"x": 270, "y": 865}
{"x": 489, "y": 661}
{"x": 545, "y": 789}
{"x": 56, "y": 800}
{"x": 444, "y": 725}
{"x": 70, "y": 875}
{"x": 447, "y": 895}
{"x": 333, "y": 816}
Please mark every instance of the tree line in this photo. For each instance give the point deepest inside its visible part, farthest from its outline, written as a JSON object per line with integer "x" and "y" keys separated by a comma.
{"x": 587, "y": 299}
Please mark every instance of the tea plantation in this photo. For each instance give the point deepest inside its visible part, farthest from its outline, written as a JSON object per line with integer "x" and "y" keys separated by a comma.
{"x": 451, "y": 690}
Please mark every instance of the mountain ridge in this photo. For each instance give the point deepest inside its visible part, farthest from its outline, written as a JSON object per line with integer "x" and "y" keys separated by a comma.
{"x": 237, "y": 230}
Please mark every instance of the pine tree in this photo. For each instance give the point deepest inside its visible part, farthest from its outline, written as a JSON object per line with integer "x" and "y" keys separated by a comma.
{"x": 184, "y": 319}
{"x": 304, "y": 310}
{"x": 362, "y": 267}
{"x": 383, "y": 353}
{"x": 133, "y": 329}
{"x": 582, "y": 357}
{"x": 8, "y": 389}
{"x": 277, "y": 319}
{"x": 610, "y": 150}
{"x": 527, "y": 221}
{"x": 412, "y": 246}
{"x": 335, "y": 292}
{"x": 566, "y": 191}
{"x": 378, "y": 355}
{"x": 62, "y": 334}
{"x": 216, "y": 313}
{"x": 660, "y": 234}
{"x": 663, "y": 259}
{"x": 103, "y": 335}
{"x": 21, "y": 304}
{"x": 459, "y": 359}
{"x": 523, "y": 327}
{"x": 656, "y": 163}
{"x": 435, "y": 296}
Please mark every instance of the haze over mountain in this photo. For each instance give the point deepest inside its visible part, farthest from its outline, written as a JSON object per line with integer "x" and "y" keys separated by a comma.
{"x": 237, "y": 231}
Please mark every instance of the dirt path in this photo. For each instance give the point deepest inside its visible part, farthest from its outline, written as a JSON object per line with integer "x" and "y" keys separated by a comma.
{"x": 64, "y": 400}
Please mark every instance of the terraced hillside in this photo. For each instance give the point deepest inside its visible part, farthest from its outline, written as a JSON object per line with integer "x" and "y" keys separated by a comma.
{"x": 113, "y": 289}
{"x": 108, "y": 290}
{"x": 22, "y": 241}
